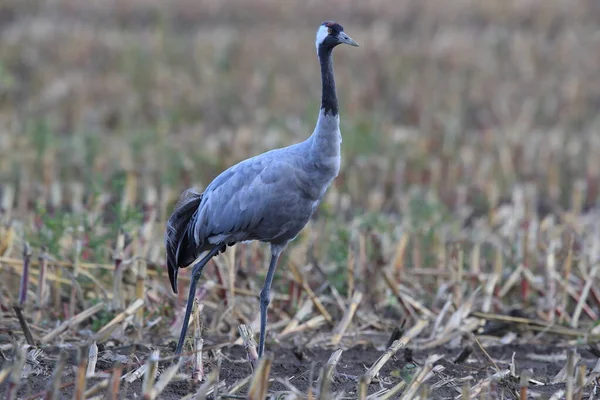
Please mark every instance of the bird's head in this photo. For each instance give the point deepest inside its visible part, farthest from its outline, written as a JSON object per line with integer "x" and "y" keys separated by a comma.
{"x": 330, "y": 34}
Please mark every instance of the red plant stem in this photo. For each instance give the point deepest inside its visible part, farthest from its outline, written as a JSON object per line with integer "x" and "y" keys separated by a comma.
{"x": 525, "y": 282}
{"x": 295, "y": 291}
{"x": 523, "y": 393}
{"x": 495, "y": 304}
{"x": 25, "y": 275}
{"x": 524, "y": 287}
{"x": 562, "y": 314}
{"x": 86, "y": 253}
{"x": 115, "y": 382}
{"x": 119, "y": 256}
{"x": 586, "y": 308}
{"x": 256, "y": 260}
{"x": 118, "y": 262}
{"x": 222, "y": 292}
{"x": 299, "y": 290}
{"x": 595, "y": 295}
{"x": 3, "y": 306}
{"x": 11, "y": 392}
{"x": 42, "y": 280}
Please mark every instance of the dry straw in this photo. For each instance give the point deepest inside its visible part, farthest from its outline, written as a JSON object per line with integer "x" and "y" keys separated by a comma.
{"x": 472, "y": 217}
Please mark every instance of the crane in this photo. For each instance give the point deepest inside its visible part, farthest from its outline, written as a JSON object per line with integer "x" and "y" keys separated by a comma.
{"x": 267, "y": 198}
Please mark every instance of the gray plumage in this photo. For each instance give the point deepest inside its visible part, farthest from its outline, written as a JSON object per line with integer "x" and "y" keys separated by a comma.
{"x": 269, "y": 197}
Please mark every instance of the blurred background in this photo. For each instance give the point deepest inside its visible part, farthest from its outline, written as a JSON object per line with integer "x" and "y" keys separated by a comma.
{"x": 466, "y": 122}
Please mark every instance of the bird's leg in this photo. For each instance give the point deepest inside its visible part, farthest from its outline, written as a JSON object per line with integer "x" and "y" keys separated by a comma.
{"x": 265, "y": 297}
{"x": 196, "y": 273}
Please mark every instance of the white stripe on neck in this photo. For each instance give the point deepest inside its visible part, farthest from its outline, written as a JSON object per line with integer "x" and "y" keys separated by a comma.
{"x": 321, "y": 35}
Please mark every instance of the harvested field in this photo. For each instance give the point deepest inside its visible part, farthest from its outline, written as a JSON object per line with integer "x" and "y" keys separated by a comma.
{"x": 456, "y": 255}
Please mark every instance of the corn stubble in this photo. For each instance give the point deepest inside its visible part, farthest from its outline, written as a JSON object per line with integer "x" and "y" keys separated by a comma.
{"x": 464, "y": 207}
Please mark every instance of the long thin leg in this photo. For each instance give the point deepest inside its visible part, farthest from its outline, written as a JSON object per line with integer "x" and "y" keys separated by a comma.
{"x": 265, "y": 298}
{"x": 196, "y": 273}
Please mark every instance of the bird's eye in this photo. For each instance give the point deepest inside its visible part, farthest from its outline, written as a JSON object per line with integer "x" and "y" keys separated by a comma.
{"x": 329, "y": 30}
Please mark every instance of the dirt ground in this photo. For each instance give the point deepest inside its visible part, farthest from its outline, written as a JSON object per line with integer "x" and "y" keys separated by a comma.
{"x": 543, "y": 361}
{"x": 470, "y": 161}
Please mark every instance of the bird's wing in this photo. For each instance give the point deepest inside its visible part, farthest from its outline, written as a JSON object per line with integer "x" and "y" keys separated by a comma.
{"x": 238, "y": 199}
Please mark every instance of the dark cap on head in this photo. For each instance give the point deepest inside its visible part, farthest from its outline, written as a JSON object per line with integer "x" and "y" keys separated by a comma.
{"x": 334, "y": 26}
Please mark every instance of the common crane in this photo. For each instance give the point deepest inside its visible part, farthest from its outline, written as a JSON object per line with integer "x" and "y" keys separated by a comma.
{"x": 269, "y": 197}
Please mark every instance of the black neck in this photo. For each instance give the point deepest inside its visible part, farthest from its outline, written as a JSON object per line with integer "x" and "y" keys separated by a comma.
{"x": 329, "y": 102}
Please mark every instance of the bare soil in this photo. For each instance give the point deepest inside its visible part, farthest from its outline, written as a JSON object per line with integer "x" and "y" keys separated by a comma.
{"x": 470, "y": 157}
{"x": 295, "y": 365}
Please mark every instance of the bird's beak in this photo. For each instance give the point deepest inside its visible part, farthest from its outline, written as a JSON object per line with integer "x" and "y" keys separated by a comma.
{"x": 343, "y": 38}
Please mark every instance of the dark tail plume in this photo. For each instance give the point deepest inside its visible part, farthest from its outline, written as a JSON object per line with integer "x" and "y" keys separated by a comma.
{"x": 181, "y": 250}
